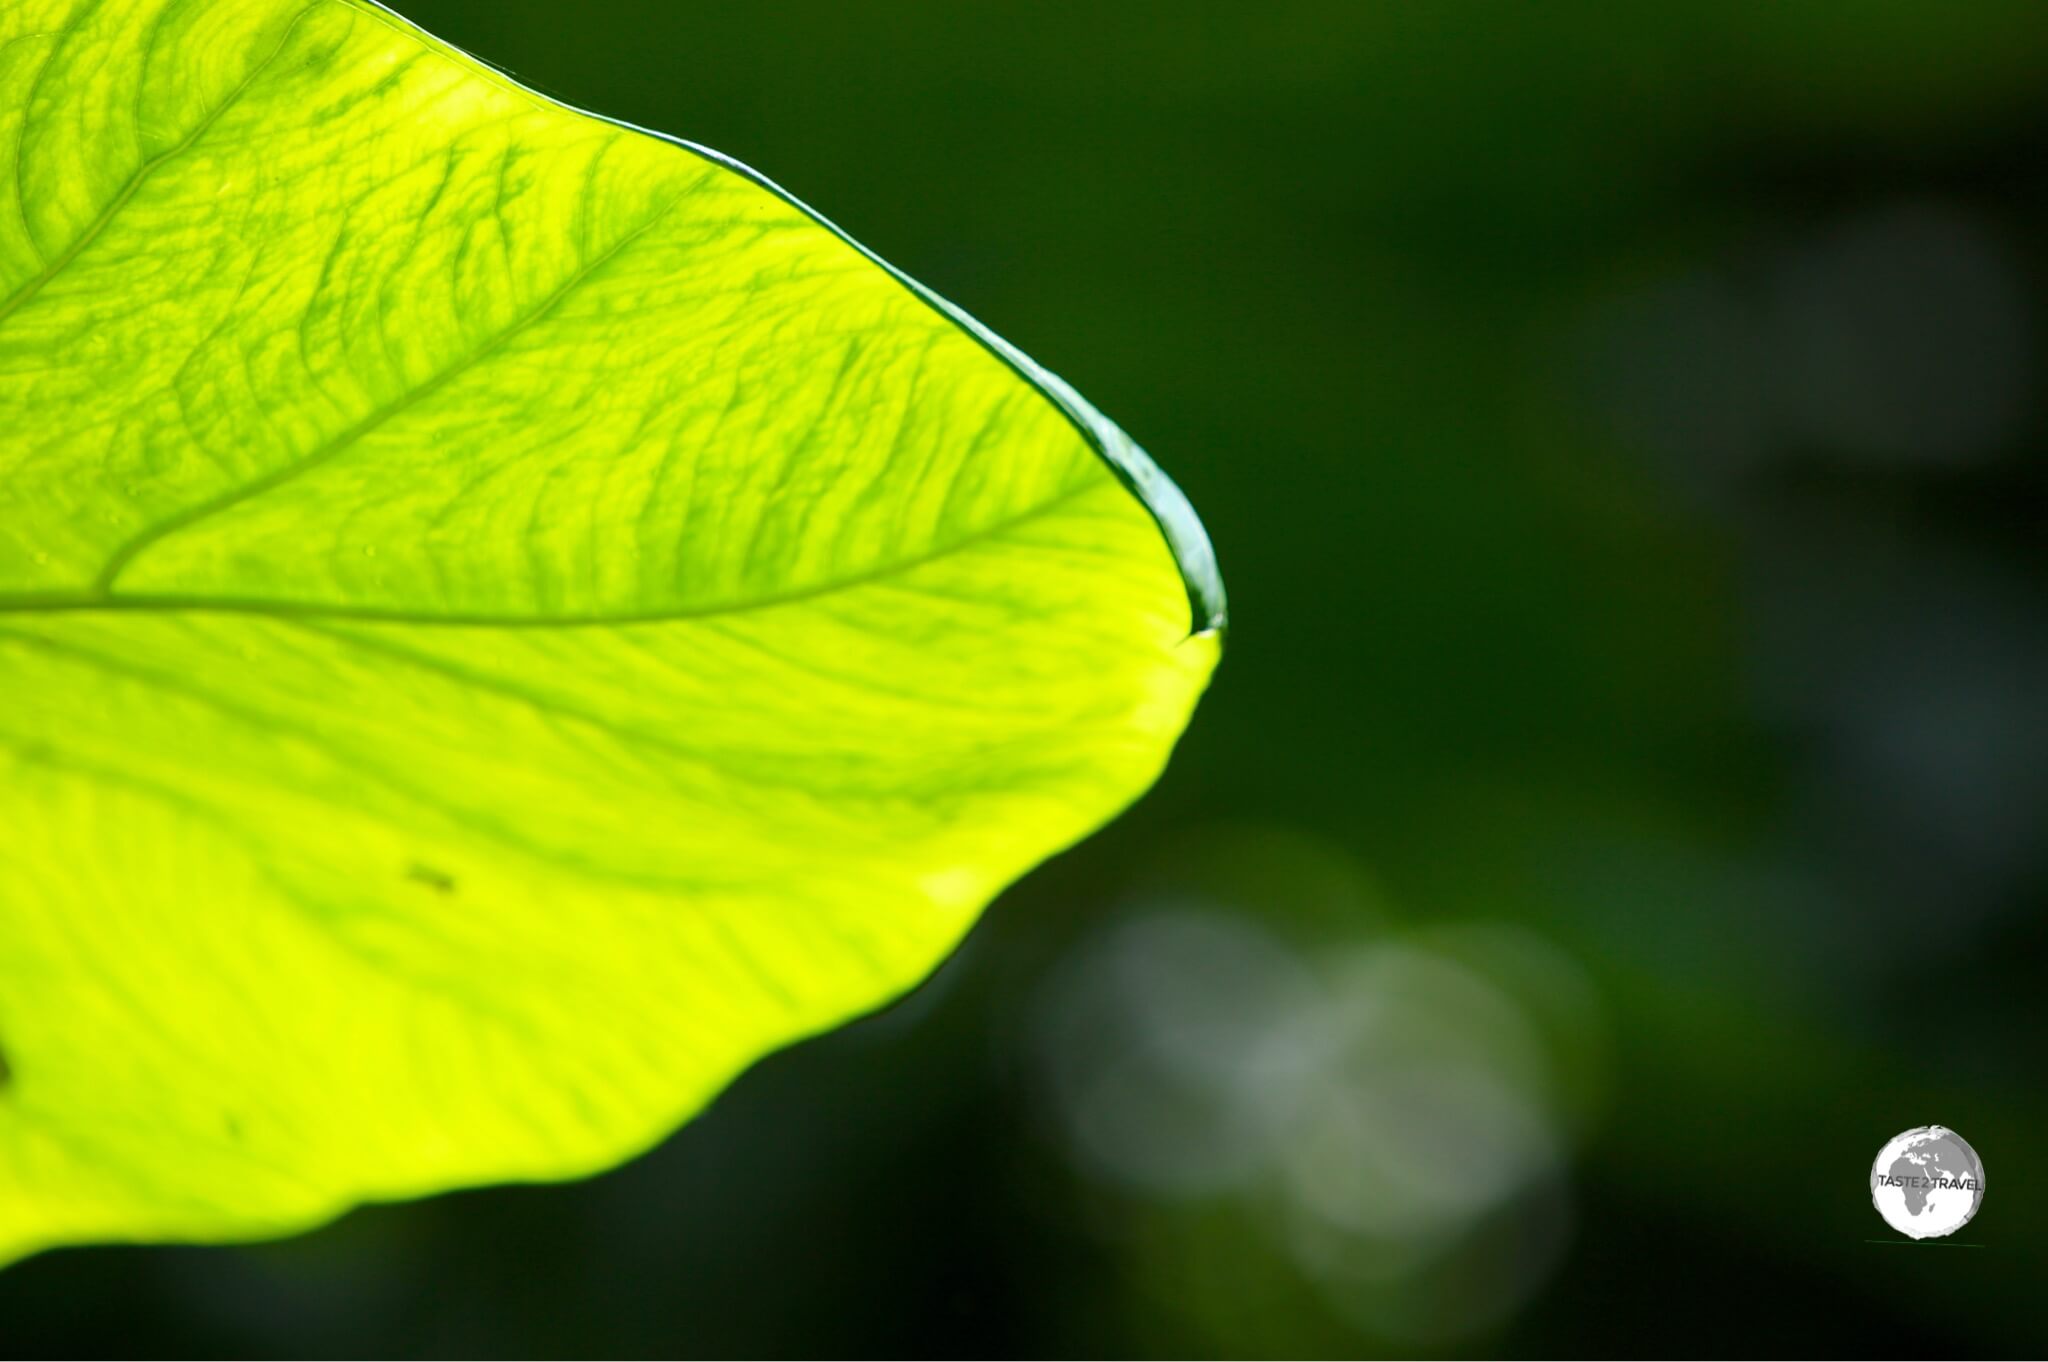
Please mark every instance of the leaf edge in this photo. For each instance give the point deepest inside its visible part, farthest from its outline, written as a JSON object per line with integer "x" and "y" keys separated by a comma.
{"x": 1186, "y": 538}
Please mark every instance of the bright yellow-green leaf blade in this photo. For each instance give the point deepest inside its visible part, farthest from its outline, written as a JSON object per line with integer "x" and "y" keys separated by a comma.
{"x": 504, "y": 619}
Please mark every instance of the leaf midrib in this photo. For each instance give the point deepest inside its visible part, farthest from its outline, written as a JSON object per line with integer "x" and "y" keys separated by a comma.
{"x": 162, "y": 603}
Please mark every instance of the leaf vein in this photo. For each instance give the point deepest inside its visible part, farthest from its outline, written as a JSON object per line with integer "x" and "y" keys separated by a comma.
{"x": 119, "y": 560}
{"x": 135, "y": 181}
{"x": 47, "y": 602}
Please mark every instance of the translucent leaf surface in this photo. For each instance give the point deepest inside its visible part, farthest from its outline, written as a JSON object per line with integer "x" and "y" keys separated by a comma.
{"x": 504, "y": 618}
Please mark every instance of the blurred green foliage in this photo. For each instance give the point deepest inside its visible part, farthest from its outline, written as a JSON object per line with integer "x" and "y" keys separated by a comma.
{"x": 1621, "y": 430}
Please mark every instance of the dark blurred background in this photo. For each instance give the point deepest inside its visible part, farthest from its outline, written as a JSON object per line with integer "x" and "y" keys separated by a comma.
{"x": 1621, "y": 808}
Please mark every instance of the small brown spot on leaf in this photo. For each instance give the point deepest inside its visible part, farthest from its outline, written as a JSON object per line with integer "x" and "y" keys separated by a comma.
{"x": 440, "y": 881}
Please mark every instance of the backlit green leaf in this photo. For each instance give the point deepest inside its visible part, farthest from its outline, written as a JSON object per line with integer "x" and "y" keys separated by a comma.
{"x": 504, "y": 619}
